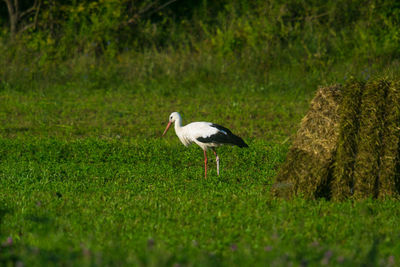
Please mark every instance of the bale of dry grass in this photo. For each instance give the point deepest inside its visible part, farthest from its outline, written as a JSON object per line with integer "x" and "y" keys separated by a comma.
{"x": 348, "y": 144}
{"x": 369, "y": 139}
{"x": 389, "y": 159}
{"x": 306, "y": 169}
{"x": 349, "y": 110}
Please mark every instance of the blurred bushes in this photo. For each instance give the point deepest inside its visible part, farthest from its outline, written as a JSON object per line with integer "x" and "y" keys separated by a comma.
{"x": 249, "y": 36}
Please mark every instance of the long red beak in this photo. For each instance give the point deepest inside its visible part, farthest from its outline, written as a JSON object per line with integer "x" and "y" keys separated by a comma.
{"x": 166, "y": 129}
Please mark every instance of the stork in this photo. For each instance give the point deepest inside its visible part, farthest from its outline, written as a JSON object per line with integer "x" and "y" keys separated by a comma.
{"x": 205, "y": 134}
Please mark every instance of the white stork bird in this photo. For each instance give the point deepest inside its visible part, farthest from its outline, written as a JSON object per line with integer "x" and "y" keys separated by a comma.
{"x": 204, "y": 134}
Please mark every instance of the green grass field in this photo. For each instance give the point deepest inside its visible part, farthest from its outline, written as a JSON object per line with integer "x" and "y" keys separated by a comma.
{"x": 87, "y": 180}
{"x": 85, "y": 94}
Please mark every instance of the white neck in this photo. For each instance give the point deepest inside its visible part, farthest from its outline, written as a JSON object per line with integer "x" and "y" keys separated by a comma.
{"x": 178, "y": 124}
{"x": 181, "y": 133}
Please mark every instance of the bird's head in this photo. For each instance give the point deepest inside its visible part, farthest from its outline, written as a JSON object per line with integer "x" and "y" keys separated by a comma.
{"x": 172, "y": 118}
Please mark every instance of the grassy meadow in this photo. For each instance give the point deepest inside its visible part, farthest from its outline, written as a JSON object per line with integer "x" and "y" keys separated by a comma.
{"x": 87, "y": 180}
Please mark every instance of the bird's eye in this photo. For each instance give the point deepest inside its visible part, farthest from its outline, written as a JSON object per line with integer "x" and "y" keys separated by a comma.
{"x": 170, "y": 117}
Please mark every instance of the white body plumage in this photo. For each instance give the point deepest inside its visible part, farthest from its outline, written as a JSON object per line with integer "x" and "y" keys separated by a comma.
{"x": 204, "y": 134}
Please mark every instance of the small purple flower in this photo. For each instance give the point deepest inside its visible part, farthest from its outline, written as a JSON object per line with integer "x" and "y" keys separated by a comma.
{"x": 340, "y": 259}
{"x": 35, "y": 250}
{"x": 234, "y": 247}
{"x": 85, "y": 251}
{"x": 391, "y": 261}
{"x": 267, "y": 248}
{"x": 304, "y": 263}
{"x": 150, "y": 243}
{"x": 327, "y": 256}
{"x": 8, "y": 242}
{"x": 38, "y": 203}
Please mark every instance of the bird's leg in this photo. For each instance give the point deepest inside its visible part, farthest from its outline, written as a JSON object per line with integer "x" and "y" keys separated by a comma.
{"x": 217, "y": 159}
{"x": 205, "y": 164}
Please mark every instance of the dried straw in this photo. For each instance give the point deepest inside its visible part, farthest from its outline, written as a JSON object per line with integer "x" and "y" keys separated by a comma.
{"x": 349, "y": 110}
{"x": 367, "y": 161}
{"x": 348, "y": 144}
{"x": 389, "y": 158}
{"x": 306, "y": 169}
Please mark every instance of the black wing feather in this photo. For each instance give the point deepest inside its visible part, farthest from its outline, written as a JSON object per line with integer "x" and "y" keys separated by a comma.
{"x": 222, "y": 138}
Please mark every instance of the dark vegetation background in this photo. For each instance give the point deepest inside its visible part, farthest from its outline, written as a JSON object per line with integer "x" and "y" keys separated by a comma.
{"x": 57, "y": 41}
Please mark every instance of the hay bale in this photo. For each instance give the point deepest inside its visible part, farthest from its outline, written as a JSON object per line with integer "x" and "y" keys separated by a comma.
{"x": 369, "y": 139}
{"x": 349, "y": 110}
{"x": 389, "y": 159}
{"x": 307, "y": 165}
{"x": 348, "y": 145}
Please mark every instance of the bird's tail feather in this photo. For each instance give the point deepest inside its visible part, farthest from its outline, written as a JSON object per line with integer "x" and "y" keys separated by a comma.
{"x": 236, "y": 140}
